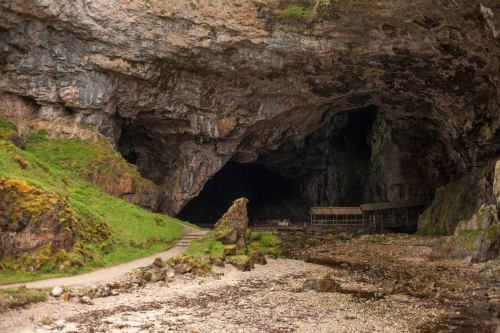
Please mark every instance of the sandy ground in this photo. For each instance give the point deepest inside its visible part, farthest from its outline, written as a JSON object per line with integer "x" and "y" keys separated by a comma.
{"x": 114, "y": 272}
{"x": 267, "y": 299}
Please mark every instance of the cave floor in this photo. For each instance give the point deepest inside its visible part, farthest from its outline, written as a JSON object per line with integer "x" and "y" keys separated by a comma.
{"x": 388, "y": 284}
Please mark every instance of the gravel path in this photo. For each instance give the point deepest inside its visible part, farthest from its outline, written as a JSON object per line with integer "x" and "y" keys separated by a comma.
{"x": 267, "y": 299}
{"x": 114, "y": 272}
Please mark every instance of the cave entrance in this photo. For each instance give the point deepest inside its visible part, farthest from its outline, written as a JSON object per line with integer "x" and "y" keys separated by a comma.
{"x": 329, "y": 166}
{"x": 271, "y": 196}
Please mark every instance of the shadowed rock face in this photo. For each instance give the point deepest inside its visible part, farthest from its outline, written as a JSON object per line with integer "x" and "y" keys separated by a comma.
{"x": 183, "y": 88}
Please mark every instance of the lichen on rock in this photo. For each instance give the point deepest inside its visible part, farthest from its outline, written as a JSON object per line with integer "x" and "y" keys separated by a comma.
{"x": 32, "y": 218}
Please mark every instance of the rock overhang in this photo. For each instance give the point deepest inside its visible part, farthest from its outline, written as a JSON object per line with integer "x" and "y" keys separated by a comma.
{"x": 214, "y": 83}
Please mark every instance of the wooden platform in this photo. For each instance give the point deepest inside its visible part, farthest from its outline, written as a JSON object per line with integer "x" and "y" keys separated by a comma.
{"x": 371, "y": 216}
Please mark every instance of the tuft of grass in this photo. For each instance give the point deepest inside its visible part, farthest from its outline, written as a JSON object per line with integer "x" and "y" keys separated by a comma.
{"x": 46, "y": 320}
{"x": 15, "y": 297}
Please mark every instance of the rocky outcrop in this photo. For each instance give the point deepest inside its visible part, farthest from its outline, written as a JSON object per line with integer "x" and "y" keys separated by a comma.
{"x": 477, "y": 238}
{"x": 182, "y": 88}
{"x": 233, "y": 225}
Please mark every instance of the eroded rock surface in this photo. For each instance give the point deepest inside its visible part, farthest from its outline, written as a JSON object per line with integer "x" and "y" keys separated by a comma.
{"x": 182, "y": 88}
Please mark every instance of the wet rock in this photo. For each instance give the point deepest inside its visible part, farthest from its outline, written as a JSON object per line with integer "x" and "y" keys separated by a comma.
{"x": 324, "y": 284}
{"x": 56, "y": 291}
{"x": 158, "y": 274}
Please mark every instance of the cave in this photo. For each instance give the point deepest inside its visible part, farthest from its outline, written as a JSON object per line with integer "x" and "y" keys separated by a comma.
{"x": 343, "y": 162}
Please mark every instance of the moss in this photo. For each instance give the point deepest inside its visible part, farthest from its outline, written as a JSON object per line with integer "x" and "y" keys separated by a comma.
{"x": 264, "y": 243}
{"x": 296, "y": 12}
{"x": 493, "y": 231}
{"x": 265, "y": 239}
{"x": 468, "y": 238}
{"x": 22, "y": 202}
{"x": 452, "y": 203}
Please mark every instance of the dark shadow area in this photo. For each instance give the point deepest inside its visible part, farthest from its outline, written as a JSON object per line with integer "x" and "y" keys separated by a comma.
{"x": 271, "y": 195}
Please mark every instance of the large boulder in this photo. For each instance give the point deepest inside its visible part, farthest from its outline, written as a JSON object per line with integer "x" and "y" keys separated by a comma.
{"x": 232, "y": 226}
{"x": 477, "y": 238}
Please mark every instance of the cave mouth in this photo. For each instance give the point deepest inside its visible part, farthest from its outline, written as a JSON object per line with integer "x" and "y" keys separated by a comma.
{"x": 271, "y": 196}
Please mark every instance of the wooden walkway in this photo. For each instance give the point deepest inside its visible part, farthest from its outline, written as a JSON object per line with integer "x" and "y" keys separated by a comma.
{"x": 371, "y": 217}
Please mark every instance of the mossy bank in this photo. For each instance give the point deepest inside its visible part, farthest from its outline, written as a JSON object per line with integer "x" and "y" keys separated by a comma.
{"x": 54, "y": 221}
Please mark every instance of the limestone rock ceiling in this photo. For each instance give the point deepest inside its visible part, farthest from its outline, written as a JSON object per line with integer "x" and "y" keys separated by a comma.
{"x": 183, "y": 87}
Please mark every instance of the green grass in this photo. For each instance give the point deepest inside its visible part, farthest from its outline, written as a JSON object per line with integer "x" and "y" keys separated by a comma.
{"x": 197, "y": 246}
{"x": 6, "y": 127}
{"x": 190, "y": 224}
{"x": 55, "y": 165}
{"x": 265, "y": 239}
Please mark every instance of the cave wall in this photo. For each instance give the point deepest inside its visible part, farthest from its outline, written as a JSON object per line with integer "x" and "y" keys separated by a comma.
{"x": 185, "y": 89}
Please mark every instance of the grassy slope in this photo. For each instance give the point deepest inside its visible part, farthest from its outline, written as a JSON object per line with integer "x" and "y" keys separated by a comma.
{"x": 136, "y": 232}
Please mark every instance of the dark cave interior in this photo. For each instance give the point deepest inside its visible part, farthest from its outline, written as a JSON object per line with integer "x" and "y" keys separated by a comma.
{"x": 270, "y": 195}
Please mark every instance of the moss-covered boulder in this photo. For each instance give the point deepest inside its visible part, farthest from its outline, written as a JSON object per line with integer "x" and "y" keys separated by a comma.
{"x": 241, "y": 262}
{"x": 477, "y": 238}
{"x": 233, "y": 224}
{"x": 452, "y": 203}
{"x": 230, "y": 250}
